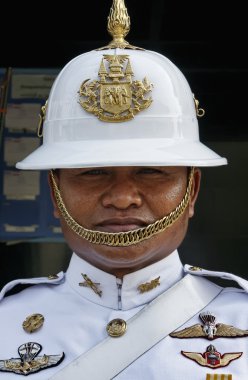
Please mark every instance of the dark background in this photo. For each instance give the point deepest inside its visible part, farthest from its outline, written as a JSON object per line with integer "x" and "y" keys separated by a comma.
{"x": 208, "y": 42}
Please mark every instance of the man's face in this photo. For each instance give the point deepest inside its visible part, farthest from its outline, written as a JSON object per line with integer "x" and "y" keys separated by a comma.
{"x": 119, "y": 199}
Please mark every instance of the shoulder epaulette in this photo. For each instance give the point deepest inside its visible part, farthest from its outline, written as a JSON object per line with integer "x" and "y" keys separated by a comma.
{"x": 227, "y": 276}
{"x": 52, "y": 280}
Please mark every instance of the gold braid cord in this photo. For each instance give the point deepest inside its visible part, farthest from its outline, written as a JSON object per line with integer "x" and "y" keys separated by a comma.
{"x": 123, "y": 239}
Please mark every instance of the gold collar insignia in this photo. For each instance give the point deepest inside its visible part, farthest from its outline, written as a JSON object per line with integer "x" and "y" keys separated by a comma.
{"x": 90, "y": 284}
{"x": 146, "y": 287}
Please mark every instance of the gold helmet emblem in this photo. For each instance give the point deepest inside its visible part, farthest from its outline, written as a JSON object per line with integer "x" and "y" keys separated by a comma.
{"x": 115, "y": 97}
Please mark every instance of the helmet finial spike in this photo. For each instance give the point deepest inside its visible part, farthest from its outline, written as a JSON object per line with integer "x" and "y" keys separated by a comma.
{"x": 118, "y": 26}
{"x": 118, "y": 23}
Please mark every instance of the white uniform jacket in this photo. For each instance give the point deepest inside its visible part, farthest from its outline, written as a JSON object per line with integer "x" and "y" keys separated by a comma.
{"x": 75, "y": 320}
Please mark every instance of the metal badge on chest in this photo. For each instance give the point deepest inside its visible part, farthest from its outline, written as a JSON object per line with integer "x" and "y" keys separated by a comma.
{"x": 211, "y": 330}
{"x": 29, "y": 360}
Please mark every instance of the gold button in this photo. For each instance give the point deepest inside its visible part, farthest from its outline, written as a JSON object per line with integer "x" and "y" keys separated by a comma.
{"x": 117, "y": 327}
{"x": 33, "y": 323}
{"x": 195, "y": 269}
{"x": 53, "y": 277}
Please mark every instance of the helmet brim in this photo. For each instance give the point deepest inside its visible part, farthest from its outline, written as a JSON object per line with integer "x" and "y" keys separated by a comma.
{"x": 125, "y": 152}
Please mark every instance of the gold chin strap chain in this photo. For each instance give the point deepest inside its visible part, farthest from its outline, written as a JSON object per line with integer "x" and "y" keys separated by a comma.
{"x": 123, "y": 239}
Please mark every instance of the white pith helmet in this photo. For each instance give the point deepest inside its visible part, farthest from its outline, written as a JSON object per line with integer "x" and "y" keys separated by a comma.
{"x": 120, "y": 107}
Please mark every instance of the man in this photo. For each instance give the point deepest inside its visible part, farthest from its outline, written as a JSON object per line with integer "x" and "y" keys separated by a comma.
{"x": 124, "y": 178}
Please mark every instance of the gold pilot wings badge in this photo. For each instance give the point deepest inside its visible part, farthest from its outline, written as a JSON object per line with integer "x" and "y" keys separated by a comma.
{"x": 116, "y": 97}
{"x": 209, "y": 330}
{"x": 29, "y": 361}
{"x": 212, "y": 358}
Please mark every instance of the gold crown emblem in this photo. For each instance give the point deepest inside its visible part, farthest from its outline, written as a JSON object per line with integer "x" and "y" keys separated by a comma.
{"x": 115, "y": 97}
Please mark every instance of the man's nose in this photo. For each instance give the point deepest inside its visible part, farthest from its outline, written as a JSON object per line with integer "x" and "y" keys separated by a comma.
{"x": 122, "y": 194}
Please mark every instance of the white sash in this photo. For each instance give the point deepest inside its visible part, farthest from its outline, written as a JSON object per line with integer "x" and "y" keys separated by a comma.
{"x": 154, "y": 322}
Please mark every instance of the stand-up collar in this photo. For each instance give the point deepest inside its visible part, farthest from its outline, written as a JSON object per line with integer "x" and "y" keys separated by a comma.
{"x": 124, "y": 294}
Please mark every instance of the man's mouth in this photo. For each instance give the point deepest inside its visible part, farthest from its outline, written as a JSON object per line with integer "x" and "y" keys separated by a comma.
{"x": 120, "y": 225}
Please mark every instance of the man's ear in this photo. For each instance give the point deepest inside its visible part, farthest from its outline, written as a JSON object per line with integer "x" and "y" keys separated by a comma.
{"x": 56, "y": 213}
{"x": 194, "y": 191}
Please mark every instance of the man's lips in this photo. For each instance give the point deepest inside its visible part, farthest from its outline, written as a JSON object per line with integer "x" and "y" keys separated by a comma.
{"x": 120, "y": 224}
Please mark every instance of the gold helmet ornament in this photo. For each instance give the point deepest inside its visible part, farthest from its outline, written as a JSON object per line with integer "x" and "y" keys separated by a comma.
{"x": 120, "y": 106}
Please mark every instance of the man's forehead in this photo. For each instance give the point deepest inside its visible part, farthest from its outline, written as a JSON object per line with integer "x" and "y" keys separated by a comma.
{"x": 125, "y": 168}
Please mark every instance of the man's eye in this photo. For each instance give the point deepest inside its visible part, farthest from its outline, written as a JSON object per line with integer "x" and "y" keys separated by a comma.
{"x": 94, "y": 172}
{"x": 150, "y": 171}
